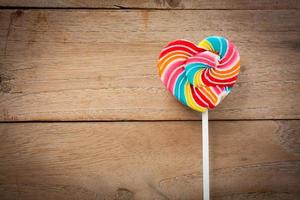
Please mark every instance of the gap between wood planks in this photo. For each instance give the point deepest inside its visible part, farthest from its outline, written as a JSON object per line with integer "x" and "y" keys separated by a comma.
{"x": 117, "y": 7}
{"x": 154, "y": 4}
{"x": 118, "y": 121}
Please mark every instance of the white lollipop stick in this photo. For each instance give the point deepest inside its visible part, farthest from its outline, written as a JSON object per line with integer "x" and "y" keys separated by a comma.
{"x": 205, "y": 155}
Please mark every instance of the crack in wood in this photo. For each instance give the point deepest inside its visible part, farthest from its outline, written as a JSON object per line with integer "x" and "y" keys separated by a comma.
{"x": 124, "y": 194}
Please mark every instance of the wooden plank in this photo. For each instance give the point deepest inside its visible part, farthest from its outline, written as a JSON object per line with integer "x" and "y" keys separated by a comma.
{"x": 101, "y": 65}
{"x": 148, "y": 160}
{"x": 155, "y": 4}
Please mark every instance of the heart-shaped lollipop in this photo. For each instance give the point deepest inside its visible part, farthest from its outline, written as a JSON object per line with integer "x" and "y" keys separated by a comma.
{"x": 199, "y": 76}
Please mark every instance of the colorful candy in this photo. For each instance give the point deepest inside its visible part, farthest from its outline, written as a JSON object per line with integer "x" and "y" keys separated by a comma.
{"x": 199, "y": 76}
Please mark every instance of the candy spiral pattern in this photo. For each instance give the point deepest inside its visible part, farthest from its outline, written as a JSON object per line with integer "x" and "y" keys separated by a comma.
{"x": 199, "y": 76}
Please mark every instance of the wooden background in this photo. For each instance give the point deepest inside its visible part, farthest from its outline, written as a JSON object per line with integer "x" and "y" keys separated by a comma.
{"x": 84, "y": 115}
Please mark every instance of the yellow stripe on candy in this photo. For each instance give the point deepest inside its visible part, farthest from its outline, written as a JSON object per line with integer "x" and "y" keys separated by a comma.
{"x": 198, "y": 81}
{"x": 206, "y": 45}
{"x": 190, "y": 101}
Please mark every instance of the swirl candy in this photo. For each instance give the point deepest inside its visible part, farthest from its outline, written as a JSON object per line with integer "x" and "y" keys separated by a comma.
{"x": 199, "y": 76}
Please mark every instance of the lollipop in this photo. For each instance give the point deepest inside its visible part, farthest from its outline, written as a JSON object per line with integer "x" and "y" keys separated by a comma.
{"x": 200, "y": 77}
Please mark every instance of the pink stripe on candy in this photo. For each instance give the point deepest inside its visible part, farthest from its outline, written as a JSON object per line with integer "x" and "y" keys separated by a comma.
{"x": 173, "y": 78}
{"x": 170, "y": 69}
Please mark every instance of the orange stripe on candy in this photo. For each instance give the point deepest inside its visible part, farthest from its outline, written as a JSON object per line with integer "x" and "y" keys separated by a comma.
{"x": 165, "y": 62}
{"x": 207, "y": 95}
{"x": 215, "y": 98}
{"x": 228, "y": 73}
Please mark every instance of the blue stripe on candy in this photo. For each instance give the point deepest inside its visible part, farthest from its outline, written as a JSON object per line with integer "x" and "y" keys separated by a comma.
{"x": 224, "y": 45}
{"x": 228, "y": 89}
{"x": 219, "y": 44}
{"x": 182, "y": 91}
{"x": 191, "y": 69}
{"x": 179, "y": 88}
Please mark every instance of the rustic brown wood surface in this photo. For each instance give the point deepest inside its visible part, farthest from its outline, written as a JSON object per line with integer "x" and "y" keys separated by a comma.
{"x": 101, "y": 65}
{"x": 148, "y": 160}
{"x": 156, "y": 4}
{"x": 67, "y": 65}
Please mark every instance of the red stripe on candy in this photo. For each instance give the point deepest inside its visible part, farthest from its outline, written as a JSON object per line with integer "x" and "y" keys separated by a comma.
{"x": 204, "y": 98}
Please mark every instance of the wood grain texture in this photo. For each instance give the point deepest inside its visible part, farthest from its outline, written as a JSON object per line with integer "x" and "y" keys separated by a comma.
{"x": 155, "y": 4}
{"x": 101, "y": 65}
{"x": 148, "y": 160}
